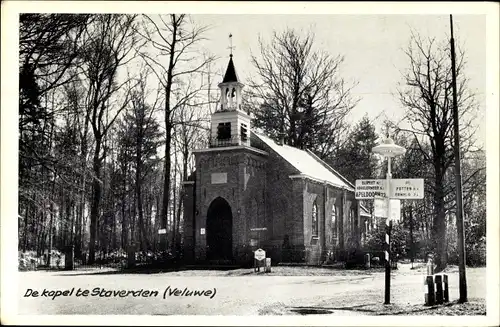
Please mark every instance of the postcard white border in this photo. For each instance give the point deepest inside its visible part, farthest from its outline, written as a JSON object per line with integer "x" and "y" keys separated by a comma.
{"x": 9, "y": 149}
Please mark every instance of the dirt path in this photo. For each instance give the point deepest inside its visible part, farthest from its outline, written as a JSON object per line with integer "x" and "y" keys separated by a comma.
{"x": 234, "y": 292}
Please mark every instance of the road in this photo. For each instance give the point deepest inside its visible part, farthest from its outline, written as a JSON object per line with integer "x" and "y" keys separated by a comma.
{"x": 343, "y": 292}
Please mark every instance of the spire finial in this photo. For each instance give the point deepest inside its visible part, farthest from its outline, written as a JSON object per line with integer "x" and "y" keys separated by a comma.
{"x": 231, "y": 45}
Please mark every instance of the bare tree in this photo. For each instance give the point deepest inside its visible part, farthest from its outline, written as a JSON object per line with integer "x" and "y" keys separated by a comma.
{"x": 298, "y": 92}
{"x": 174, "y": 38}
{"x": 111, "y": 41}
{"x": 426, "y": 94}
{"x": 144, "y": 132}
{"x": 48, "y": 48}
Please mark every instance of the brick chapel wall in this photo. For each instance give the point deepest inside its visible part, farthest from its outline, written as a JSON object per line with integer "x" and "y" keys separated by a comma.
{"x": 188, "y": 221}
{"x": 284, "y": 210}
{"x": 348, "y": 234}
{"x": 253, "y": 206}
{"x": 333, "y": 228}
{"x": 245, "y": 180}
{"x": 313, "y": 193}
{"x": 282, "y": 201}
{"x": 352, "y": 223}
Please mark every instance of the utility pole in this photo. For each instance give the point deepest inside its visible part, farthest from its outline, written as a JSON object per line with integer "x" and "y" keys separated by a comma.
{"x": 412, "y": 251}
{"x": 458, "y": 179}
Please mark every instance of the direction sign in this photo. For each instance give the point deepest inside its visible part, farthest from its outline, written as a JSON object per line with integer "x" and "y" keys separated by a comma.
{"x": 395, "y": 210}
{"x": 407, "y": 188}
{"x": 380, "y": 208}
{"x": 259, "y": 254}
{"x": 370, "y": 188}
{"x": 162, "y": 231}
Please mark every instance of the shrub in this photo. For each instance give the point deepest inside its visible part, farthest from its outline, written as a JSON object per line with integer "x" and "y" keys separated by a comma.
{"x": 475, "y": 248}
{"x": 375, "y": 241}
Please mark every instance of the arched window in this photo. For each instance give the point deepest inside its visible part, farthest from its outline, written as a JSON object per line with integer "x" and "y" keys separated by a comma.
{"x": 315, "y": 219}
{"x": 352, "y": 219}
{"x": 334, "y": 224}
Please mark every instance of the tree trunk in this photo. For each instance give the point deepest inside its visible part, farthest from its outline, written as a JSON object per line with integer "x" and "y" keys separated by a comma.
{"x": 138, "y": 182}
{"x": 412, "y": 248}
{"x": 96, "y": 198}
{"x": 168, "y": 130}
{"x": 25, "y": 227}
{"x": 166, "y": 188}
{"x": 124, "y": 222}
{"x": 439, "y": 226}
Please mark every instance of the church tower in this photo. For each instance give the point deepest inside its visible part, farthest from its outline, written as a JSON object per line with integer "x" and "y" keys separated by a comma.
{"x": 225, "y": 198}
{"x": 230, "y": 125}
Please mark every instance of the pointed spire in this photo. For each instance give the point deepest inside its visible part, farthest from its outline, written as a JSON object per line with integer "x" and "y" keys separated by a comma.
{"x": 230, "y": 75}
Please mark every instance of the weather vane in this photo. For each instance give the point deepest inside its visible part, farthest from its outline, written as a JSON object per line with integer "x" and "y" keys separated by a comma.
{"x": 231, "y": 44}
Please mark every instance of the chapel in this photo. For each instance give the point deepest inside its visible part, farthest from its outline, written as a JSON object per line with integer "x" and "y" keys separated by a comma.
{"x": 249, "y": 191}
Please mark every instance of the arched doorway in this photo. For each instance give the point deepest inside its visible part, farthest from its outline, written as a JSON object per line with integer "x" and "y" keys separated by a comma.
{"x": 219, "y": 230}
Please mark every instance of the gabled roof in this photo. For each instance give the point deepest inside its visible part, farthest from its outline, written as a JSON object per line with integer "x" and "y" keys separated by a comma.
{"x": 308, "y": 165}
{"x": 230, "y": 75}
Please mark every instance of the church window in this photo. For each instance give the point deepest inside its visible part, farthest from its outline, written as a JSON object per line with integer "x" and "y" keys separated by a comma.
{"x": 334, "y": 223}
{"x": 244, "y": 132}
{"x": 224, "y": 131}
{"x": 315, "y": 219}
{"x": 352, "y": 219}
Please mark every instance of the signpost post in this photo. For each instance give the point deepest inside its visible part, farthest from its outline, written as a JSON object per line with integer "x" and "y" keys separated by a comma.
{"x": 387, "y": 195}
{"x": 388, "y": 149}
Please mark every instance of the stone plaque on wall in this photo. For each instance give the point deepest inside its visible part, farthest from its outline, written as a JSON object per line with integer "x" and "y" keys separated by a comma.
{"x": 219, "y": 178}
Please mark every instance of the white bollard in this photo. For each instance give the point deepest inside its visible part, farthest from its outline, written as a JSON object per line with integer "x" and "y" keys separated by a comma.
{"x": 268, "y": 265}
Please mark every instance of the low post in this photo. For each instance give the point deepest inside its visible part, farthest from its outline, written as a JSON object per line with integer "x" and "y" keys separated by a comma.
{"x": 429, "y": 295}
{"x": 367, "y": 261}
{"x": 439, "y": 289}
{"x": 69, "y": 257}
{"x": 430, "y": 266}
{"x": 446, "y": 294}
{"x": 256, "y": 265}
{"x": 268, "y": 265}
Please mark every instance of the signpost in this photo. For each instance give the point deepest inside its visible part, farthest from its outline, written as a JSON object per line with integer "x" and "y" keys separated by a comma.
{"x": 162, "y": 231}
{"x": 258, "y": 229}
{"x": 403, "y": 189}
{"x": 370, "y": 188}
{"x": 387, "y": 194}
{"x": 259, "y": 256}
{"x": 407, "y": 188}
{"x": 380, "y": 208}
{"x": 389, "y": 150}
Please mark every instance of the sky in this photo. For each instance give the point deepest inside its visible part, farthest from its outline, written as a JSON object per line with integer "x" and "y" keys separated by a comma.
{"x": 372, "y": 46}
